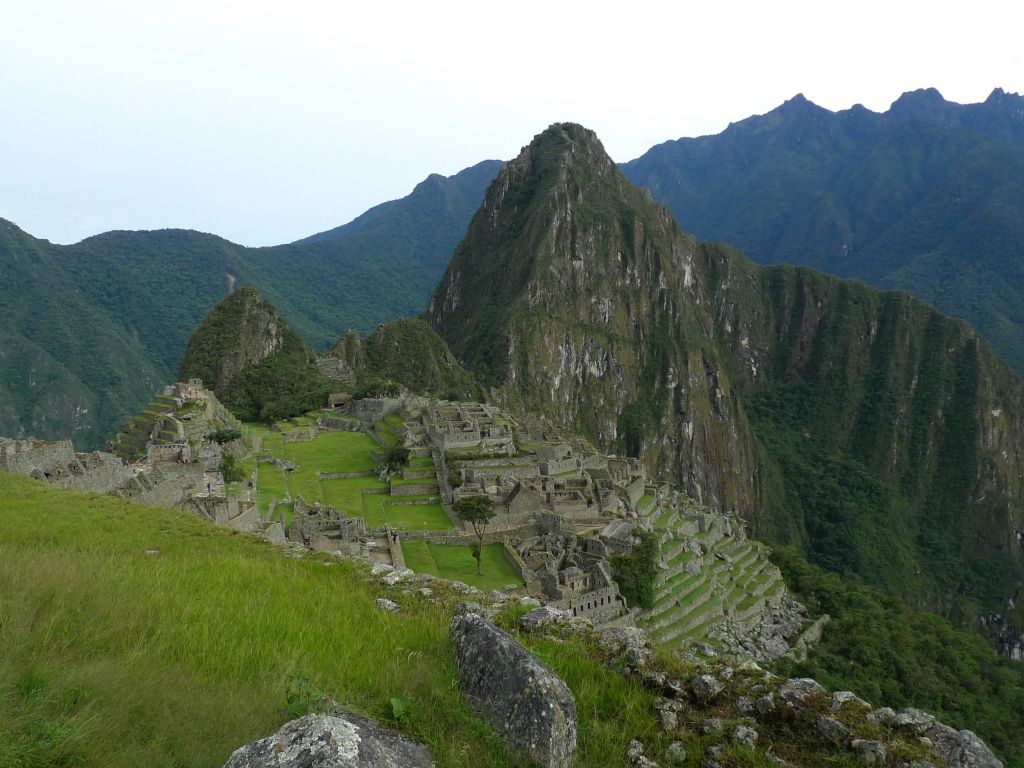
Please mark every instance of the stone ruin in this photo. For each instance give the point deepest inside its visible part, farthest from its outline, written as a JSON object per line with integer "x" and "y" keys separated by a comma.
{"x": 573, "y": 573}
{"x": 57, "y": 463}
{"x": 324, "y": 528}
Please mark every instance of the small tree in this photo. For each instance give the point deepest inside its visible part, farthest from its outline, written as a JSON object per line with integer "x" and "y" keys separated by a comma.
{"x": 478, "y": 511}
{"x": 231, "y": 469}
{"x": 397, "y": 456}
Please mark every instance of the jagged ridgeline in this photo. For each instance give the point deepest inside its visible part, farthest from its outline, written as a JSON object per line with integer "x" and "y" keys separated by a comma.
{"x": 927, "y": 197}
{"x": 257, "y": 366}
{"x": 403, "y": 353}
{"x": 877, "y": 434}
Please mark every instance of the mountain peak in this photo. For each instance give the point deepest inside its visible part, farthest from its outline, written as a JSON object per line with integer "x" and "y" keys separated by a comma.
{"x": 924, "y": 102}
{"x": 561, "y": 143}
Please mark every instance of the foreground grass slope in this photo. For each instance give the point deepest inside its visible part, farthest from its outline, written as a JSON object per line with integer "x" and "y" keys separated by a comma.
{"x": 135, "y": 636}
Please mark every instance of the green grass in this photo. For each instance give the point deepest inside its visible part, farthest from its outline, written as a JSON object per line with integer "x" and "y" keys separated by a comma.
{"x": 414, "y": 481}
{"x": 270, "y": 485}
{"x": 457, "y": 562}
{"x": 328, "y": 452}
{"x": 334, "y": 452}
{"x": 346, "y": 493}
{"x": 418, "y": 517}
{"x": 273, "y": 443}
{"x": 176, "y": 659}
{"x": 413, "y": 517}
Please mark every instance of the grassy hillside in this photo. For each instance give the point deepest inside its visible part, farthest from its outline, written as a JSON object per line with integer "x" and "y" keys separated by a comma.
{"x": 135, "y": 636}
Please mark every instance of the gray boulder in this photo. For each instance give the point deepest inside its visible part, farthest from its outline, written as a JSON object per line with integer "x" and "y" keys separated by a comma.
{"x": 542, "y": 617}
{"x": 520, "y": 697}
{"x": 962, "y": 749}
{"x": 869, "y": 752}
{"x": 881, "y": 716}
{"x": 914, "y": 721}
{"x": 323, "y": 741}
{"x": 745, "y": 735}
{"x": 706, "y": 687}
{"x": 801, "y": 690}
{"x": 831, "y": 729}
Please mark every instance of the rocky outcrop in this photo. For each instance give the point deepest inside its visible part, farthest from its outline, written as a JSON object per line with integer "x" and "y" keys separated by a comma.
{"x": 960, "y": 749}
{"x": 240, "y": 331}
{"x": 527, "y": 703}
{"x": 324, "y": 741}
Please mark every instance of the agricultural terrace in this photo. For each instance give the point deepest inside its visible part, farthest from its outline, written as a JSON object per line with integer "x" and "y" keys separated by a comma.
{"x": 457, "y": 562}
{"x": 336, "y": 453}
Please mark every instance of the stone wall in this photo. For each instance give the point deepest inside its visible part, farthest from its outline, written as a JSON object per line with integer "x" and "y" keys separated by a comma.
{"x": 533, "y": 585}
{"x": 56, "y": 462}
{"x": 414, "y": 489}
{"x": 598, "y": 604}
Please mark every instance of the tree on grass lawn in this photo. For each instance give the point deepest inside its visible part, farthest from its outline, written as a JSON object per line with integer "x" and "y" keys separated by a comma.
{"x": 397, "y": 456}
{"x": 478, "y": 511}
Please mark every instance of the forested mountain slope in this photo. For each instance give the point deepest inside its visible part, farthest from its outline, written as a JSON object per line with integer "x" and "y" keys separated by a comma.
{"x": 92, "y": 329}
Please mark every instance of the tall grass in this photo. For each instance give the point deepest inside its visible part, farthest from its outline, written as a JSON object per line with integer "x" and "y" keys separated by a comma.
{"x": 132, "y": 636}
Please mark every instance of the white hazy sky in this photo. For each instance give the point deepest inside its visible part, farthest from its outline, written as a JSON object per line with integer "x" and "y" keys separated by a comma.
{"x": 266, "y": 122}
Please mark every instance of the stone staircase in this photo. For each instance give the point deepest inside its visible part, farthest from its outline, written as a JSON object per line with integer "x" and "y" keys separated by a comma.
{"x": 708, "y": 572}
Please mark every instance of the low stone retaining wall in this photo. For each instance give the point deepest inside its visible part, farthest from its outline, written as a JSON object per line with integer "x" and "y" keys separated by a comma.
{"x": 414, "y": 489}
{"x": 344, "y": 475}
{"x": 467, "y": 537}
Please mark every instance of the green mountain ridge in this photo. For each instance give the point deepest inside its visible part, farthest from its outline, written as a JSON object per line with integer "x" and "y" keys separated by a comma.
{"x": 865, "y": 427}
{"x": 926, "y": 198}
{"x": 93, "y": 329}
{"x": 410, "y": 354}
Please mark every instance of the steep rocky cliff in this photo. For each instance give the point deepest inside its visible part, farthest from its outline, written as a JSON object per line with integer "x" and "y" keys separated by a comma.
{"x": 866, "y": 427}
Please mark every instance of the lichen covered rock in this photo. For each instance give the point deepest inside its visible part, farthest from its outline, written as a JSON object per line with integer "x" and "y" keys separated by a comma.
{"x": 527, "y": 703}
{"x": 324, "y": 741}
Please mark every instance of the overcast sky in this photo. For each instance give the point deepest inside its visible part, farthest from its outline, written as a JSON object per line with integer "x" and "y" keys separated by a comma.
{"x": 266, "y": 122}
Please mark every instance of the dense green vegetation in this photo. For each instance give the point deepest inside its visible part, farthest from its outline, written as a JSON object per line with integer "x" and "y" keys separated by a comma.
{"x": 637, "y": 572}
{"x": 409, "y": 353}
{"x": 103, "y": 324}
{"x": 927, "y": 198}
{"x": 180, "y": 642}
{"x": 895, "y": 656}
{"x": 254, "y": 362}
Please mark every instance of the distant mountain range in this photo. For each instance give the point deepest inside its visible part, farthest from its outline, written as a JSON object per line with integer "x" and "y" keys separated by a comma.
{"x": 92, "y": 330}
{"x": 926, "y": 198}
